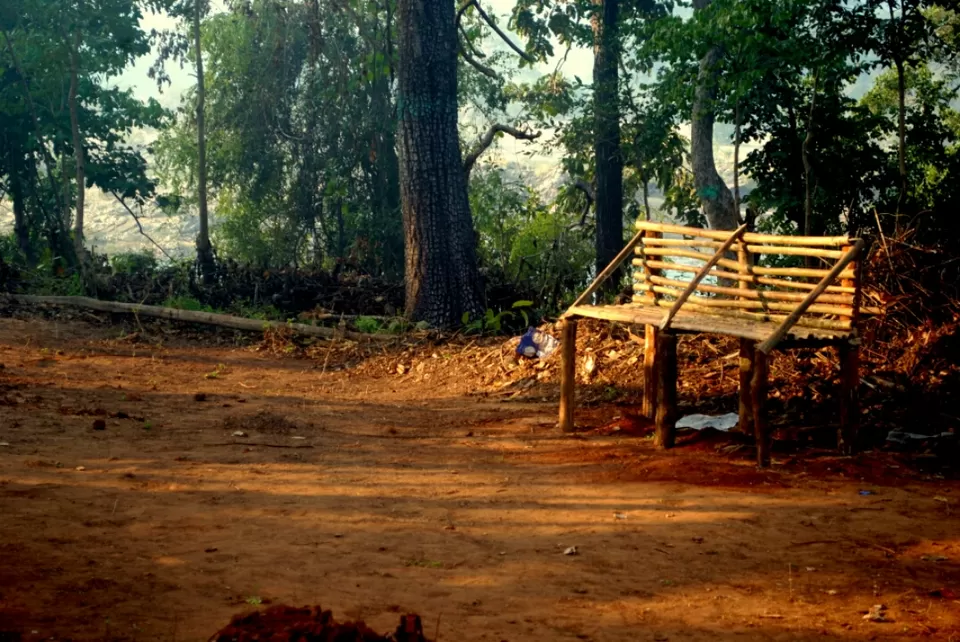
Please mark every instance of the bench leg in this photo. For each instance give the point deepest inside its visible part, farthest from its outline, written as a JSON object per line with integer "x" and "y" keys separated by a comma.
{"x": 758, "y": 398}
{"x": 849, "y": 398}
{"x": 568, "y": 372}
{"x": 747, "y": 350}
{"x": 666, "y": 390}
{"x": 650, "y": 372}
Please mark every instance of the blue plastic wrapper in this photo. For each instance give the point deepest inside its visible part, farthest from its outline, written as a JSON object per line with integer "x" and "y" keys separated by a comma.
{"x": 537, "y": 345}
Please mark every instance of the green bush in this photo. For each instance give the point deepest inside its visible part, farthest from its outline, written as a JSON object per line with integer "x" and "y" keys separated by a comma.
{"x": 133, "y": 263}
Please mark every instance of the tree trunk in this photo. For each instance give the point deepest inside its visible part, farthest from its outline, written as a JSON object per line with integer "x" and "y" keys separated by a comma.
{"x": 901, "y": 130}
{"x": 808, "y": 169}
{"x": 442, "y": 278}
{"x": 77, "y": 147}
{"x": 715, "y": 196}
{"x": 609, "y": 162}
{"x": 20, "y": 228}
{"x": 204, "y": 249}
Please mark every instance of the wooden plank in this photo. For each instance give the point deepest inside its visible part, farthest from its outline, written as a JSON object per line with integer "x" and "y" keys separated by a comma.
{"x": 568, "y": 373}
{"x": 610, "y": 269}
{"x": 718, "y": 255}
{"x": 771, "y": 342}
{"x": 666, "y": 423}
{"x": 735, "y": 276}
{"x": 746, "y": 292}
{"x": 721, "y": 235}
{"x": 758, "y": 401}
{"x": 650, "y": 372}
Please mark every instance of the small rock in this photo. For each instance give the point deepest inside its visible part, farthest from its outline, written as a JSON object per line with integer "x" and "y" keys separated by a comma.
{"x": 99, "y": 424}
{"x": 811, "y": 569}
{"x": 81, "y": 468}
{"x": 298, "y": 438}
{"x": 4, "y": 443}
{"x": 239, "y": 433}
{"x": 211, "y": 550}
{"x": 832, "y": 592}
{"x": 697, "y": 540}
{"x": 503, "y": 552}
{"x": 571, "y": 551}
{"x": 200, "y": 396}
{"x": 619, "y": 516}
{"x": 338, "y": 535}
{"x": 876, "y": 613}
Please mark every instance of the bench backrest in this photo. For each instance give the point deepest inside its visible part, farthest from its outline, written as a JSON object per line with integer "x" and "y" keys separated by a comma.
{"x": 761, "y": 278}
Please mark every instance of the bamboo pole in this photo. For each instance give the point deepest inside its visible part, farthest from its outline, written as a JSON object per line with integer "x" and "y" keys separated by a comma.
{"x": 747, "y": 351}
{"x": 809, "y": 322}
{"x": 699, "y": 276}
{"x": 755, "y": 249}
{"x": 795, "y": 316}
{"x": 666, "y": 423}
{"x": 778, "y": 306}
{"x": 848, "y": 434}
{"x": 735, "y": 276}
{"x": 745, "y": 292}
{"x": 758, "y": 401}
{"x": 750, "y": 237}
{"x": 568, "y": 373}
{"x": 812, "y": 273}
{"x": 610, "y": 269}
{"x": 650, "y": 372}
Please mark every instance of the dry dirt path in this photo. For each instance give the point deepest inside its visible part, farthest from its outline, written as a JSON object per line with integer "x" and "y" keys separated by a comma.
{"x": 379, "y": 496}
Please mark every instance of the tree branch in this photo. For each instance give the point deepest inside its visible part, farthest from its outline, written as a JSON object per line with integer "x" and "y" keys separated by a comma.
{"x": 493, "y": 25}
{"x": 487, "y": 139}
{"x": 587, "y": 189}
{"x": 139, "y": 225}
{"x": 476, "y": 64}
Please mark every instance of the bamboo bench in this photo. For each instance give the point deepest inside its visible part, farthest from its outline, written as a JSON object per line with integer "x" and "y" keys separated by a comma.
{"x": 729, "y": 290}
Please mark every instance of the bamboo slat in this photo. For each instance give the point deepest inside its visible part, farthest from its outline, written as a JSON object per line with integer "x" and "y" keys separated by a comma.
{"x": 741, "y": 304}
{"x": 692, "y": 286}
{"x": 721, "y": 235}
{"x": 755, "y": 249}
{"x": 767, "y": 346}
{"x": 727, "y": 322}
{"x": 810, "y": 273}
{"x": 734, "y": 276}
{"x": 806, "y": 321}
{"x": 771, "y": 295}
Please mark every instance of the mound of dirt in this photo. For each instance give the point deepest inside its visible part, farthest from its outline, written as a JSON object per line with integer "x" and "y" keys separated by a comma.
{"x": 311, "y": 624}
{"x": 264, "y": 422}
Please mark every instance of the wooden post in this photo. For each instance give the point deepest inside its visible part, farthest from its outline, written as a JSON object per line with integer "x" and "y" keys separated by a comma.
{"x": 568, "y": 372}
{"x": 847, "y": 436}
{"x": 666, "y": 390}
{"x": 758, "y": 398}
{"x": 747, "y": 353}
{"x": 650, "y": 373}
{"x": 849, "y": 352}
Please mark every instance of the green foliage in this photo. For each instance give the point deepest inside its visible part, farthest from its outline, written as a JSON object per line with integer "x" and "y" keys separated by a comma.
{"x": 133, "y": 263}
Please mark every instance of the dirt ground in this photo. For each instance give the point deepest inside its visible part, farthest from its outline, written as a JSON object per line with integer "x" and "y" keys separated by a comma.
{"x": 151, "y": 492}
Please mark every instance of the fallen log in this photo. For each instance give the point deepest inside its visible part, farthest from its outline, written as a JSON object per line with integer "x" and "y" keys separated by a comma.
{"x": 191, "y": 316}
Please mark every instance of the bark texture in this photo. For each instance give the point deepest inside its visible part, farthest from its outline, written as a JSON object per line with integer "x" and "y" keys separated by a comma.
{"x": 442, "y": 277}
{"x": 715, "y": 196}
{"x": 608, "y": 158}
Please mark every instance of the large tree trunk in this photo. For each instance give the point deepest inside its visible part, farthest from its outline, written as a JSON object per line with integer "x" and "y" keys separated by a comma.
{"x": 204, "y": 249}
{"x": 609, "y": 162}
{"x": 442, "y": 277}
{"x": 77, "y": 147}
{"x": 715, "y": 196}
